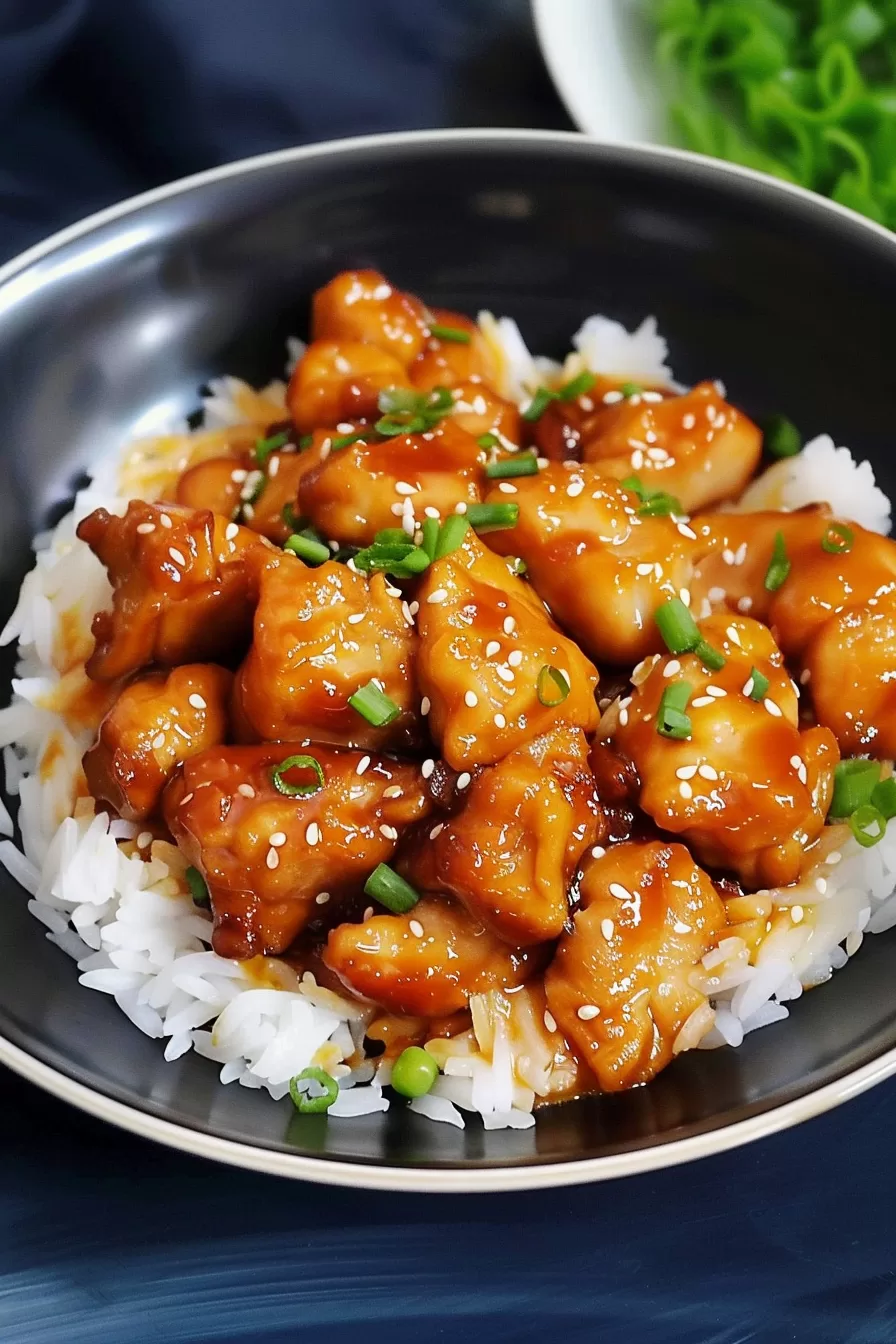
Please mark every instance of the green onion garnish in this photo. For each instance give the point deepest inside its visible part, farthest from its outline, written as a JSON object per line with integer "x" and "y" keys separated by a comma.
{"x": 313, "y": 1091}
{"x": 636, "y": 484}
{"x": 779, "y": 566}
{"x": 291, "y": 519}
{"x": 430, "y": 532}
{"x": 402, "y": 559}
{"x": 455, "y": 334}
{"x": 577, "y": 387}
{"x": 854, "y": 783}
{"x": 400, "y": 401}
{"x": 392, "y": 536}
{"x": 780, "y": 437}
{"x": 884, "y": 797}
{"x": 757, "y": 683}
{"x": 631, "y": 389}
{"x": 414, "y": 1072}
{"x": 374, "y": 706}
{"x": 390, "y": 426}
{"x": 198, "y": 888}
{"x": 517, "y": 565}
{"x": 539, "y": 404}
{"x": 345, "y": 441}
{"x": 524, "y": 464}
{"x": 488, "y": 441}
{"x": 307, "y": 549}
{"x": 282, "y": 784}
{"x": 552, "y": 687}
{"x": 868, "y": 825}
{"x": 709, "y": 656}
{"x": 838, "y": 539}
{"x": 492, "y": 517}
{"x": 385, "y": 886}
{"x": 659, "y": 505}
{"x": 671, "y": 720}
{"x": 306, "y": 441}
{"x": 264, "y": 447}
{"x": 677, "y": 626}
{"x": 408, "y": 412}
{"x": 451, "y": 535}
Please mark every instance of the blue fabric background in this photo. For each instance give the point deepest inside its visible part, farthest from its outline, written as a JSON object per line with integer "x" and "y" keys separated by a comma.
{"x": 106, "y": 1239}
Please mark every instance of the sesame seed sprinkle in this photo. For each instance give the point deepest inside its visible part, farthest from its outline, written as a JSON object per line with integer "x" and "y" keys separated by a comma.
{"x": 393, "y": 791}
{"x": 403, "y": 488}
{"x": 507, "y": 488}
{"x": 197, "y": 701}
{"x": 500, "y": 721}
{"x": 177, "y": 556}
{"x": 504, "y": 673}
{"x": 509, "y": 625}
{"x": 514, "y": 658}
{"x": 144, "y": 839}
{"x": 471, "y": 699}
{"x": 747, "y": 687}
{"x": 772, "y": 708}
{"x": 416, "y": 928}
{"x": 425, "y": 705}
{"x": 437, "y": 830}
{"x": 436, "y": 596}
{"x": 272, "y": 859}
{"x": 165, "y": 520}
{"x": 686, "y": 772}
{"x": 607, "y": 928}
{"x": 246, "y": 790}
{"x": 702, "y": 701}
{"x": 322, "y": 897}
{"x": 716, "y": 692}
{"x": 672, "y": 668}
{"x": 312, "y": 833}
{"x": 388, "y": 832}
{"x": 491, "y": 648}
{"x": 707, "y": 772}
{"x": 821, "y": 885}
{"x": 619, "y": 891}
{"x": 598, "y": 852}
{"x": 463, "y": 780}
{"x": 587, "y": 1012}
{"x": 158, "y": 742}
{"x": 362, "y": 765}
{"x": 685, "y": 790}
{"x": 277, "y": 839}
{"x": 834, "y": 857}
{"x": 145, "y": 528}
{"x": 549, "y": 1021}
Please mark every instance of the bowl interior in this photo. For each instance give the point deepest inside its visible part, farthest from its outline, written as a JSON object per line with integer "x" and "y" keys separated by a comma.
{"x": 115, "y": 328}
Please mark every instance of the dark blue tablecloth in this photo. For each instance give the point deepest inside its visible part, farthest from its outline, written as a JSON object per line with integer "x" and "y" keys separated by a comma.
{"x": 106, "y": 1239}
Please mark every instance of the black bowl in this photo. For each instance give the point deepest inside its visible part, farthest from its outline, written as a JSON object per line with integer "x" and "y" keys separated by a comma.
{"x": 115, "y": 324}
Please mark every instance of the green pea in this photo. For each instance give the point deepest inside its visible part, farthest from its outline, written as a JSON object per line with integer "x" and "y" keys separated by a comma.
{"x": 414, "y": 1072}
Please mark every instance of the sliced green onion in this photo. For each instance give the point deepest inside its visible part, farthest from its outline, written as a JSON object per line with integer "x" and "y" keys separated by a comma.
{"x": 392, "y": 536}
{"x": 345, "y": 441}
{"x": 631, "y": 389}
{"x": 439, "y": 401}
{"x": 709, "y": 656}
{"x": 779, "y": 566}
{"x": 306, "y": 441}
{"x": 577, "y": 387}
{"x": 313, "y": 1091}
{"x": 451, "y": 535}
{"x": 198, "y": 888}
{"x": 408, "y": 412}
{"x": 488, "y": 441}
{"x": 400, "y": 401}
{"x": 373, "y": 705}
{"x": 838, "y": 539}
{"x": 659, "y": 505}
{"x": 455, "y": 334}
{"x": 524, "y": 464}
{"x": 390, "y": 426}
{"x": 758, "y": 684}
{"x": 635, "y": 484}
{"x": 539, "y": 404}
{"x": 517, "y": 565}
{"x": 671, "y": 720}
{"x": 492, "y": 517}
{"x": 282, "y": 784}
{"x": 883, "y": 797}
{"x": 552, "y": 687}
{"x": 307, "y": 549}
{"x": 780, "y": 437}
{"x": 264, "y": 447}
{"x": 677, "y": 626}
{"x": 384, "y": 885}
{"x": 414, "y": 1072}
{"x": 401, "y": 559}
{"x": 868, "y": 824}
{"x": 430, "y": 536}
{"x": 854, "y": 784}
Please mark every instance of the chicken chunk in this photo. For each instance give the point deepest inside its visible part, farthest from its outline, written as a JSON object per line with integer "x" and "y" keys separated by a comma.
{"x": 850, "y": 672}
{"x": 367, "y": 487}
{"x": 184, "y": 587}
{"x": 618, "y": 986}
{"x": 602, "y": 567}
{"x": 223, "y": 483}
{"x": 482, "y": 412}
{"x": 388, "y": 960}
{"x": 745, "y": 788}
{"x": 320, "y": 635}
{"x": 363, "y": 306}
{"x": 266, "y": 854}
{"x": 340, "y": 380}
{"x": 445, "y": 362}
{"x": 510, "y": 855}
{"x": 156, "y": 723}
{"x": 485, "y": 645}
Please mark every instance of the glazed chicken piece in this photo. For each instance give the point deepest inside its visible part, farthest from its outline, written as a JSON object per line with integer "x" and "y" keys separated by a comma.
{"x": 363, "y": 306}
{"x": 222, "y": 483}
{"x": 746, "y": 789}
{"x": 695, "y": 447}
{"x": 184, "y": 587}
{"x": 367, "y": 487}
{"x": 447, "y": 363}
{"x": 487, "y": 650}
{"x": 428, "y": 962}
{"x": 510, "y": 855}
{"x": 340, "y": 380}
{"x": 319, "y": 636}
{"x": 602, "y": 567}
{"x": 618, "y": 986}
{"x": 850, "y": 672}
{"x": 480, "y": 411}
{"x": 156, "y": 723}
{"x": 265, "y": 854}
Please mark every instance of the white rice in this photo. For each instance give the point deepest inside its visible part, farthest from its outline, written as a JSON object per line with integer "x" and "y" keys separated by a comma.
{"x": 130, "y": 922}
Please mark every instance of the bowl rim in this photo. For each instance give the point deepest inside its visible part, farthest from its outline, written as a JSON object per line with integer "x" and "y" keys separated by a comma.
{"x": 427, "y": 1179}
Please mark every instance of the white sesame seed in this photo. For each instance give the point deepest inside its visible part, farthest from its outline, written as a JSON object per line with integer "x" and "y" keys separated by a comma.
{"x": 834, "y": 857}
{"x": 658, "y": 570}
{"x": 471, "y": 699}
{"x": 685, "y": 596}
{"x": 671, "y": 668}
{"x": 575, "y": 488}
{"x": 413, "y": 608}
{"x": 500, "y": 721}
{"x": 701, "y": 701}
{"x": 388, "y": 832}
{"x": 397, "y": 510}
{"x": 610, "y": 398}
{"x": 427, "y": 768}
{"x": 362, "y": 765}
{"x": 144, "y": 839}
{"x": 514, "y": 658}
{"x": 598, "y": 852}
{"x": 463, "y": 780}
{"x": 643, "y": 570}
{"x": 686, "y": 772}
{"x": 744, "y": 603}
{"x": 322, "y": 897}
{"x": 638, "y": 459}
{"x": 460, "y": 508}
{"x": 772, "y": 708}
{"x": 165, "y": 520}
{"x": 509, "y": 625}
{"x": 805, "y": 676}
{"x": 437, "y": 830}
{"x": 158, "y": 742}
{"x": 688, "y": 421}
{"x": 619, "y": 891}
{"x": 607, "y": 928}
{"x": 796, "y": 913}
{"x": 246, "y": 790}
{"x": 549, "y": 1021}
{"x": 277, "y": 839}
{"x": 177, "y": 556}
{"x": 403, "y": 488}
{"x": 312, "y": 833}
{"x": 425, "y": 705}
{"x": 740, "y": 554}
{"x": 393, "y": 791}
{"x": 650, "y": 436}
{"x": 821, "y": 885}
{"x": 747, "y": 687}
{"x": 504, "y": 672}
{"x": 507, "y": 488}
{"x": 728, "y": 556}
{"x": 587, "y": 1012}
{"x": 239, "y": 475}
{"x": 707, "y": 772}
{"x": 716, "y": 692}
{"x": 145, "y": 528}
{"x": 430, "y": 512}
{"x": 416, "y": 928}
{"x": 491, "y": 648}
{"x": 796, "y": 761}
{"x": 272, "y": 858}
{"x": 197, "y": 701}
{"x": 685, "y": 790}
{"x": 732, "y": 634}
{"x": 686, "y": 531}
{"x": 623, "y": 717}
{"x": 803, "y": 774}
{"x": 437, "y": 595}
